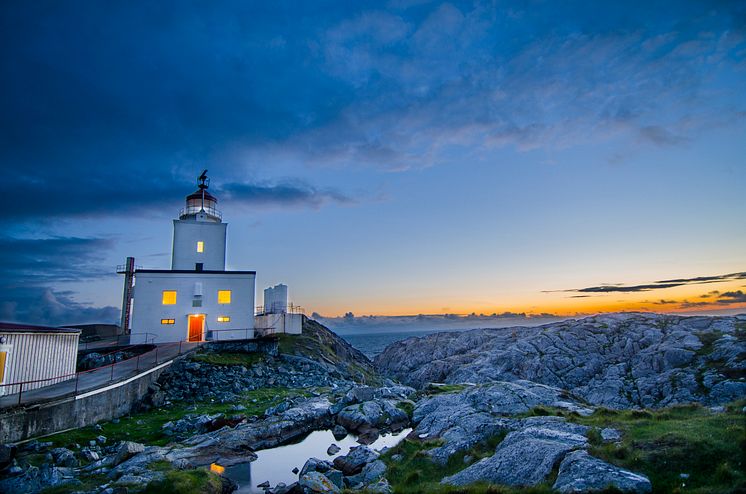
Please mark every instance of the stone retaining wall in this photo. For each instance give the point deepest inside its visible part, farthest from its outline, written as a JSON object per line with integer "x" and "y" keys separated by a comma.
{"x": 87, "y": 408}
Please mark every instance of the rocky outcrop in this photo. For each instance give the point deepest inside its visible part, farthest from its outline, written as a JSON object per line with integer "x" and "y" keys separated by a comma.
{"x": 614, "y": 360}
{"x": 477, "y": 413}
{"x": 527, "y": 456}
{"x": 580, "y": 472}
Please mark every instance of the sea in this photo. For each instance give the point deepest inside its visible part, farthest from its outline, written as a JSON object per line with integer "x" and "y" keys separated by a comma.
{"x": 371, "y": 344}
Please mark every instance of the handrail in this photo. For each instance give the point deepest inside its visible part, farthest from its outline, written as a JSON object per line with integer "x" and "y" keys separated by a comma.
{"x": 290, "y": 309}
{"x": 218, "y": 331}
{"x": 201, "y": 209}
{"x": 69, "y": 377}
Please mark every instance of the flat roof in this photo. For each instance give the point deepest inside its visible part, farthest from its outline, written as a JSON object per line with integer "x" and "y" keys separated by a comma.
{"x": 190, "y": 271}
{"x": 13, "y": 327}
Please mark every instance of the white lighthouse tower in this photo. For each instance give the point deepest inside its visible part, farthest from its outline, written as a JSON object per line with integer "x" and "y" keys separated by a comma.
{"x": 197, "y": 299}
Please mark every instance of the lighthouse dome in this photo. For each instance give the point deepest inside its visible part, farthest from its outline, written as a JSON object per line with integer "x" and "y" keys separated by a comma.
{"x": 201, "y": 205}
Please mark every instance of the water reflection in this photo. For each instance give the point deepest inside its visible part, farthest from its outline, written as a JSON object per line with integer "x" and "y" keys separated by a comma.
{"x": 276, "y": 464}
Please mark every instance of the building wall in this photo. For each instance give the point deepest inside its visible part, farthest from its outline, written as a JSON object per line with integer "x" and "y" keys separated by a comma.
{"x": 32, "y": 356}
{"x": 148, "y": 310}
{"x": 280, "y": 323}
{"x": 186, "y": 235}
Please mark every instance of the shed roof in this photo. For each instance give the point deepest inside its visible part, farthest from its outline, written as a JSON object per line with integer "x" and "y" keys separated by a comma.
{"x": 14, "y": 327}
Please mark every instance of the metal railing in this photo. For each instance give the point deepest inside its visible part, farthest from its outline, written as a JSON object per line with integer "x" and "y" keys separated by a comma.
{"x": 211, "y": 210}
{"x": 122, "y": 268}
{"x": 291, "y": 309}
{"x": 214, "y": 334}
{"x": 70, "y": 384}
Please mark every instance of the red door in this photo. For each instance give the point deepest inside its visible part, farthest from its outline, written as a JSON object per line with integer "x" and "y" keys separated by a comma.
{"x": 196, "y": 327}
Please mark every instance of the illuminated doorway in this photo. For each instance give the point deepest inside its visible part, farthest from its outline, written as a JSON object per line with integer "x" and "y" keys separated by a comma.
{"x": 196, "y": 327}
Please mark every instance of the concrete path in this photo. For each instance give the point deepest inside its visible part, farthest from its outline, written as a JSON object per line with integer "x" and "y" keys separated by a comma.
{"x": 97, "y": 378}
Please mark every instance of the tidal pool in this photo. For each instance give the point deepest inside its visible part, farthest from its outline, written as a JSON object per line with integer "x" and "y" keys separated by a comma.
{"x": 276, "y": 464}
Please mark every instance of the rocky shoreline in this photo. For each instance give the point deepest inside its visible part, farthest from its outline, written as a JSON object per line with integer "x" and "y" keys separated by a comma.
{"x": 524, "y": 407}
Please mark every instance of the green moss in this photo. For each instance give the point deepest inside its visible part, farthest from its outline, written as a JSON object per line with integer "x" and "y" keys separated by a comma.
{"x": 147, "y": 427}
{"x": 245, "y": 359}
{"x": 407, "y": 407}
{"x": 689, "y": 439}
{"x": 662, "y": 444}
{"x": 88, "y": 483}
{"x": 416, "y": 473}
{"x": 708, "y": 340}
{"x": 198, "y": 481}
{"x": 436, "y": 388}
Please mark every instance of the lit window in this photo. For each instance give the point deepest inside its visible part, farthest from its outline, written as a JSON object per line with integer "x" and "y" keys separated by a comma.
{"x": 224, "y": 319}
{"x": 200, "y": 246}
{"x": 3, "y": 359}
{"x": 168, "y": 321}
{"x": 169, "y": 297}
{"x": 224, "y": 296}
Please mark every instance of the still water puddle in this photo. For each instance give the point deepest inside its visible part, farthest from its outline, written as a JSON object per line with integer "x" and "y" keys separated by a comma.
{"x": 276, "y": 464}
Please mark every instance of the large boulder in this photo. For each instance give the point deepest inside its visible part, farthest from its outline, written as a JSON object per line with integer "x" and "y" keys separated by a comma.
{"x": 525, "y": 457}
{"x": 375, "y": 414}
{"x": 64, "y": 457}
{"x": 580, "y": 472}
{"x": 370, "y": 474}
{"x": 354, "y": 462}
{"x": 318, "y": 482}
{"x": 126, "y": 450}
{"x": 478, "y": 413}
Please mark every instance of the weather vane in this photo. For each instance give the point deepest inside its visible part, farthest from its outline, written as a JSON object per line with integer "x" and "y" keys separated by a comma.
{"x": 204, "y": 181}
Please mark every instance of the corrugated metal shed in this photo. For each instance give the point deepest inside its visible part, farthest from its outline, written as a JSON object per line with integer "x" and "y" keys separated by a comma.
{"x": 36, "y": 353}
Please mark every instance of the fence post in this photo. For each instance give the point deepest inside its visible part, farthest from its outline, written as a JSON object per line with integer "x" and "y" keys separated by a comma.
{"x": 77, "y": 381}
{"x": 138, "y": 363}
{"x": 112, "y": 370}
{"x": 179, "y": 347}
{"x": 156, "y": 355}
{"x": 20, "y": 392}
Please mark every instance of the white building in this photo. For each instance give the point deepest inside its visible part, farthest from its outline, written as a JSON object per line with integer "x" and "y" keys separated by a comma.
{"x": 275, "y": 318}
{"x": 35, "y": 356}
{"x": 197, "y": 299}
{"x": 276, "y": 299}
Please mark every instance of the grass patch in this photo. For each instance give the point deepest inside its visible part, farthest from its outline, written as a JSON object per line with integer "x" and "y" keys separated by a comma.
{"x": 416, "y": 473}
{"x": 245, "y": 359}
{"x": 87, "y": 483}
{"x": 407, "y": 407}
{"x": 437, "y": 388}
{"x": 198, "y": 481}
{"x": 708, "y": 339}
{"x": 146, "y": 427}
{"x": 688, "y": 439}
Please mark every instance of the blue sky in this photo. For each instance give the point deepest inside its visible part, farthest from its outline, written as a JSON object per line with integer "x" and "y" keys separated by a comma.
{"x": 386, "y": 158}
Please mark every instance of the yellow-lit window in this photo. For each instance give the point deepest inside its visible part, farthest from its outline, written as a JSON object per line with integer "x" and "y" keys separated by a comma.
{"x": 224, "y": 319}
{"x": 224, "y": 296}
{"x": 3, "y": 358}
{"x": 200, "y": 246}
{"x": 169, "y": 297}
{"x": 168, "y": 321}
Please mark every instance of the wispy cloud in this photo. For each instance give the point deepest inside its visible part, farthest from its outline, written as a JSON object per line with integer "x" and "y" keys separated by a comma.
{"x": 656, "y": 285}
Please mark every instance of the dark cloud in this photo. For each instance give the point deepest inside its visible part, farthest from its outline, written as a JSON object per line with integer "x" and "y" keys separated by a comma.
{"x": 657, "y": 285}
{"x": 33, "y": 265}
{"x": 736, "y": 297}
{"x": 664, "y": 302}
{"x": 50, "y": 196}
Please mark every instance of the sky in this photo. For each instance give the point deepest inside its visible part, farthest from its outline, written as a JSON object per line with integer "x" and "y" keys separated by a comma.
{"x": 409, "y": 157}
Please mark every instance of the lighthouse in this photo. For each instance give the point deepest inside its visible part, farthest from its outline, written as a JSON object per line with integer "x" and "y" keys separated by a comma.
{"x": 197, "y": 299}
